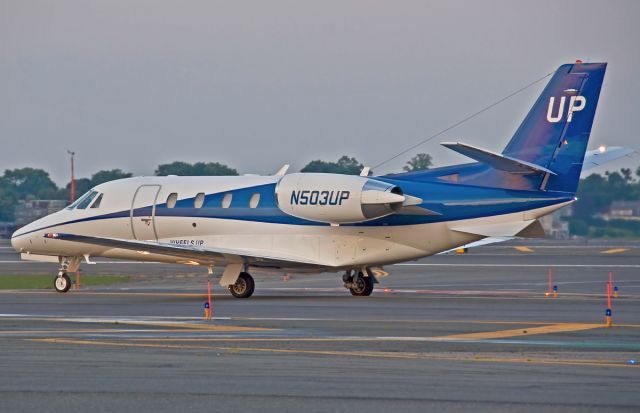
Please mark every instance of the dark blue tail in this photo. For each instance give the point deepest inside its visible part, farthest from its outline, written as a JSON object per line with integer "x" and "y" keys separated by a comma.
{"x": 556, "y": 131}
{"x": 547, "y": 150}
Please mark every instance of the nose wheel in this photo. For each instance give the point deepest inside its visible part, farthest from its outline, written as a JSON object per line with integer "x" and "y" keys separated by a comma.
{"x": 244, "y": 286}
{"x": 62, "y": 283}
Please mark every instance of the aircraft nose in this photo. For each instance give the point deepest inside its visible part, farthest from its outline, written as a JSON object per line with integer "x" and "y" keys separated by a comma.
{"x": 18, "y": 242}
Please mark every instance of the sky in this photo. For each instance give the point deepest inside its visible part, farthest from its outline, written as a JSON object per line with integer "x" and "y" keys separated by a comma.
{"x": 256, "y": 84}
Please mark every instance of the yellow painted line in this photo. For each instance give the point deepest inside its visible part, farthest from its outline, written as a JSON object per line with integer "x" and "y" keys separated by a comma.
{"x": 339, "y": 353}
{"x": 614, "y": 251}
{"x": 378, "y": 273}
{"x": 554, "y": 328}
{"x": 523, "y": 249}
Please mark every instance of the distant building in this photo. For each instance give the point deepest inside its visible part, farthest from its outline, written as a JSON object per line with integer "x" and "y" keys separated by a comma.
{"x": 6, "y": 229}
{"x": 629, "y": 210}
{"x": 28, "y": 211}
{"x": 555, "y": 225}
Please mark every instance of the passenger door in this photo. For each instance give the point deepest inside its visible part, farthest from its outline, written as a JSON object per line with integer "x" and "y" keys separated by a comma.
{"x": 143, "y": 211}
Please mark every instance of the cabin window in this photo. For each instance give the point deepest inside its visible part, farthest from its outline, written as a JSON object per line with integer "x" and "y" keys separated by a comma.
{"x": 226, "y": 201}
{"x": 172, "y": 199}
{"x": 254, "y": 201}
{"x": 199, "y": 200}
{"x": 96, "y": 203}
{"x": 87, "y": 200}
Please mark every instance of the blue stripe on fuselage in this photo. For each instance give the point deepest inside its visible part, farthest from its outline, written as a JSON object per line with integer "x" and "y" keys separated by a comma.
{"x": 453, "y": 201}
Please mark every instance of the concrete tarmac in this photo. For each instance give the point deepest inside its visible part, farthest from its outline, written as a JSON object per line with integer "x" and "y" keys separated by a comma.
{"x": 472, "y": 332}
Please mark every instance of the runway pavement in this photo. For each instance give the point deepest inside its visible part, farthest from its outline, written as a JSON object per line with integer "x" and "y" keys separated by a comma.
{"x": 451, "y": 333}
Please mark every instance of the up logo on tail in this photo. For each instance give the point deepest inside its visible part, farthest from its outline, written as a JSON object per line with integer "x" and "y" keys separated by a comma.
{"x": 576, "y": 104}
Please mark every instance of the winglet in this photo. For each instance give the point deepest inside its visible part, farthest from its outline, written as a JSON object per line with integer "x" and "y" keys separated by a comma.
{"x": 283, "y": 170}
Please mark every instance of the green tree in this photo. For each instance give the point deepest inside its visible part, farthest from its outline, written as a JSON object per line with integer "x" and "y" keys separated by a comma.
{"x": 30, "y": 183}
{"x": 24, "y": 183}
{"x": 82, "y": 185}
{"x": 419, "y": 162}
{"x": 345, "y": 165}
{"x": 197, "y": 169}
{"x": 108, "y": 175}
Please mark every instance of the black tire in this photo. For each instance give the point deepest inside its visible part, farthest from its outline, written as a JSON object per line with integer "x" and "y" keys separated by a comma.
{"x": 62, "y": 283}
{"x": 244, "y": 286}
{"x": 362, "y": 286}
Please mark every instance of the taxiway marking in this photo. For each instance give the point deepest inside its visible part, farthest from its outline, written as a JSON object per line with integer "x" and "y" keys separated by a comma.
{"x": 340, "y": 353}
{"x": 614, "y": 251}
{"x": 554, "y": 328}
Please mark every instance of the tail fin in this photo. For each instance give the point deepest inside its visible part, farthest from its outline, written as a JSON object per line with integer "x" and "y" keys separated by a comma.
{"x": 556, "y": 131}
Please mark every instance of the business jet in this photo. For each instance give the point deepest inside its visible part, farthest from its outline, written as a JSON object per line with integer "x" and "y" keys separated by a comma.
{"x": 320, "y": 222}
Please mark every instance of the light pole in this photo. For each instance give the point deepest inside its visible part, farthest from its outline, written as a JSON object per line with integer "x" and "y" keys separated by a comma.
{"x": 72, "y": 191}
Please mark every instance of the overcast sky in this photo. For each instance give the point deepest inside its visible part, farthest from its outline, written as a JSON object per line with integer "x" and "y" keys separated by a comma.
{"x": 256, "y": 84}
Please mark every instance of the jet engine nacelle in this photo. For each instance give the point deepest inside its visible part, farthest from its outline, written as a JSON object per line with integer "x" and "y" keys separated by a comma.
{"x": 337, "y": 199}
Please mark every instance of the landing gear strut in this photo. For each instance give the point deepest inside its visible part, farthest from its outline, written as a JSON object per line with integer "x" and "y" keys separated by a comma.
{"x": 244, "y": 286}
{"x": 359, "y": 284}
{"x": 62, "y": 282}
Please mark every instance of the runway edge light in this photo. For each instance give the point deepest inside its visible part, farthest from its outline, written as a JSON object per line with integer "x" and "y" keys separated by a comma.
{"x": 206, "y": 310}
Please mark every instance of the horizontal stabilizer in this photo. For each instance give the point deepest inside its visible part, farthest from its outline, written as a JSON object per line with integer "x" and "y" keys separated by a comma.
{"x": 496, "y": 160}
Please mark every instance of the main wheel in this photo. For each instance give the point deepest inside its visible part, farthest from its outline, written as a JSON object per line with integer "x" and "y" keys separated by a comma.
{"x": 362, "y": 286}
{"x": 62, "y": 283}
{"x": 244, "y": 286}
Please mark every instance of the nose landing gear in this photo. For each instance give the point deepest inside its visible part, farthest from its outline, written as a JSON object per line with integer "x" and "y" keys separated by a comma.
{"x": 62, "y": 282}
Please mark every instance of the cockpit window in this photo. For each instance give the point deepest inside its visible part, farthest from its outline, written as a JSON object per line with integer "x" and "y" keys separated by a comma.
{"x": 86, "y": 201}
{"x": 96, "y": 203}
{"x": 81, "y": 199}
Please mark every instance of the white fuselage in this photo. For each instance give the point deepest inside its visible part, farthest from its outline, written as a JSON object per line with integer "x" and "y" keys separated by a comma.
{"x": 330, "y": 247}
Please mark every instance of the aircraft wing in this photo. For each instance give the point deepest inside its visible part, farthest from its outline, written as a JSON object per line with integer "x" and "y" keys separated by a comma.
{"x": 258, "y": 258}
{"x": 604, "y": 154}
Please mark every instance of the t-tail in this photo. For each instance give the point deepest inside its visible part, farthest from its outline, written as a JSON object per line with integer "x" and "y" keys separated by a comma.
{"x": 547, "y": 151}
{"x": 555, "y": 133}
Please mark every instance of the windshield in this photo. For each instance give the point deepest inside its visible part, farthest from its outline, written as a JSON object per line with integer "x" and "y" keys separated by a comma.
{"x": 84, "y": 200}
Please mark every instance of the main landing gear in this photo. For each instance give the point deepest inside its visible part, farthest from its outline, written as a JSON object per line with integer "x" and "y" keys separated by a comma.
{"x": 360, "y": 284}
{"x": 244, "y": 286}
